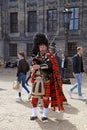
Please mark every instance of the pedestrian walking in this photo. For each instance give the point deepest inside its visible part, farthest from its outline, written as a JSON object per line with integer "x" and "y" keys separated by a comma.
{"x": 78, "y": 71}
{"x": 22, "y": 69}
{"x": 46, "y": 79}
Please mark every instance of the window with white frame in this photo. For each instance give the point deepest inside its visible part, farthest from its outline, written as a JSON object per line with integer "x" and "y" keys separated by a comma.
{"x": 74, "y": 21}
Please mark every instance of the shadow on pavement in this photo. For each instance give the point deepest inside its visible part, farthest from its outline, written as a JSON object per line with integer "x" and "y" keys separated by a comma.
{"x": 25, "y": 103}
{"x": 56, "y": 120}
{"x": 70, "y": 109}
{"x": 84, "y": 100}
{"x": 77, "y": 93}
{"x": 1, "y": 89}
{"x": 56, "y": 124}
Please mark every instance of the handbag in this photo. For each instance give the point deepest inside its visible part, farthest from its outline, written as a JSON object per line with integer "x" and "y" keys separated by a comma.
{"x": 16, "y": 85}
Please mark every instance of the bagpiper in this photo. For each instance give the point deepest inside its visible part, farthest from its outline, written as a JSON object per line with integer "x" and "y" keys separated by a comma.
{"x": 45, "y": 78}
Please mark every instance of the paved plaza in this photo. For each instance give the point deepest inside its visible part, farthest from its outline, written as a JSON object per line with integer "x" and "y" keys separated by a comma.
{"x": 16, "y": 115}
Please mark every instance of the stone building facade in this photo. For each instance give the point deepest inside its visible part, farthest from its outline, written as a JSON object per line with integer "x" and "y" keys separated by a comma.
{"x": 21, "y": 19}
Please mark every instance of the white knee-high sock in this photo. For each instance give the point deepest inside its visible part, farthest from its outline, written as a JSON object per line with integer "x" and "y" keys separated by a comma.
{"x": 34, "y": 111}
{"x": 45, "y": 112}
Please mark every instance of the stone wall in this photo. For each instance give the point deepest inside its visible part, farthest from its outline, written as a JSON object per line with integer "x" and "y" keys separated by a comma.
{"x": 41, "y": 6}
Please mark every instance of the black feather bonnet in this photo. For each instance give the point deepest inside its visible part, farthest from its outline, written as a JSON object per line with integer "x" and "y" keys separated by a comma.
{"x": 39, "y": 39}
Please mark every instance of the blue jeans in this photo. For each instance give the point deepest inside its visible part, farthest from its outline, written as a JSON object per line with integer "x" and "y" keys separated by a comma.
{"x": 78, "y": 84}
{"x": 22, "y": 80}
{"x": 63, "y": 72}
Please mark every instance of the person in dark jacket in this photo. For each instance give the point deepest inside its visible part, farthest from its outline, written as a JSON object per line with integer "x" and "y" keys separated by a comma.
{"x": 78, "y": 70}
{"x": 22, "y": 69}
{"x": 64, "y": 64}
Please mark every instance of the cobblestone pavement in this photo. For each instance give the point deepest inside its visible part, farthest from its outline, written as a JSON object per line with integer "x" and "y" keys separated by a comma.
{"x": 16, "y": 115}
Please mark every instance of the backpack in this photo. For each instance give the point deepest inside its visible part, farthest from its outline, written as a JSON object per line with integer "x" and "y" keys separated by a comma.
{"x": 27, "y": 66}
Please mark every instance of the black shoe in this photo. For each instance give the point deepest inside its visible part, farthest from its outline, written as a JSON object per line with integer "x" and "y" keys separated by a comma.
{"x": 44, "y": 119}
{"x": 33, "y": 117}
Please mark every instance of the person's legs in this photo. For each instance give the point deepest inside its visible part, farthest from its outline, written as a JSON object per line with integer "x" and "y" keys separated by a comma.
{"x": 80, "y": 87}
{"x": 19, "y": 91}
{"x": 20, "y": 88}
{"x": 27, "y": 78}
{"x": 78, "y": 84}
{"x": 23, "y": 83}
{"x": 34, "y": 108}
{"x": 62, "y": 72}
{"x": 79, "y": 80}
{"x": 73, "y": 87}
{"x": 45, "y": 109}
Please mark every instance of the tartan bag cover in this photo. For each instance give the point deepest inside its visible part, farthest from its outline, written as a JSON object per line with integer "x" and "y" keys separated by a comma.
{"x": 57, "y": 96}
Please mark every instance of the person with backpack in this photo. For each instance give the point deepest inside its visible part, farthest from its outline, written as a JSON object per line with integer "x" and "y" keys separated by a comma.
{"x": 22, "y": 69}
{"x": 29, "y": 74}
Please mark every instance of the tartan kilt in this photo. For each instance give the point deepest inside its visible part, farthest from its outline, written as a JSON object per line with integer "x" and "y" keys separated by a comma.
{"x": 47, "y": 88}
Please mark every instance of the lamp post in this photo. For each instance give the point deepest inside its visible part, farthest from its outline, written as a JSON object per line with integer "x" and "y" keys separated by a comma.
{"x": 66, "y": 18}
